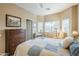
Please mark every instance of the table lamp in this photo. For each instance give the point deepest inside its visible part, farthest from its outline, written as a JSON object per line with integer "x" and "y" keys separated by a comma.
{"x": 75, "y": 34}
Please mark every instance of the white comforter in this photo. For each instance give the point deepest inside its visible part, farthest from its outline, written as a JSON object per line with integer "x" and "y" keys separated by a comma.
{"x": 22, "y": 49}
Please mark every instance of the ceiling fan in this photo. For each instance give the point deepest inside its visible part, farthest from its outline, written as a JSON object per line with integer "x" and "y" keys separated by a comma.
{"x": 42, "y": 6}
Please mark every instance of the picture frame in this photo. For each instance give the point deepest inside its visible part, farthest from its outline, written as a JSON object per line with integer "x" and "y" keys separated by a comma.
{"x": 13, "y": 21}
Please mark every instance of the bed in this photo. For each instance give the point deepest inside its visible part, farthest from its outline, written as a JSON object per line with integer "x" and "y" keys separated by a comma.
{"x": 41, "y": 47}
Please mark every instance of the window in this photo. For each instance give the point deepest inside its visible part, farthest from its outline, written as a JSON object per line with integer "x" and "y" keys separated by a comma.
{"x": 52, "y": 26}
{"x": 55, "y": 26}
{"x": 40, "y": 26}
{"x": 66, "y": 25}
{"x": 34, "y": 28}
{"x": 47, "y": 26}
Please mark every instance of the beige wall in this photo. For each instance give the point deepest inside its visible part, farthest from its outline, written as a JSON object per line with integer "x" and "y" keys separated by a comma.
{"x": 71, "y": 13}
{"x": 68, "y": 13}
{"x": 52, "y": 17}
{"x": 64, "y": 15}
{"x": 78, "y": 17}
{"x": 75, "y": 18}
{"x": 40, "y": 19}
{"x": 16, "y": 11}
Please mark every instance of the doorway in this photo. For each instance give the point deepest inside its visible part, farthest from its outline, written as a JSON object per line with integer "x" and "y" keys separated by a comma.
{"x": 29, "y": 32}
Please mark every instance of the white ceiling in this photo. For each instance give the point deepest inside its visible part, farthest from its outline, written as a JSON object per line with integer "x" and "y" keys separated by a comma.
{"x": 40, "y": 8}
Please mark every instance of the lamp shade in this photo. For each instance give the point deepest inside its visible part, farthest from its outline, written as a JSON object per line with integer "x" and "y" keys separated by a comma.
{"x": 75, "y": 33}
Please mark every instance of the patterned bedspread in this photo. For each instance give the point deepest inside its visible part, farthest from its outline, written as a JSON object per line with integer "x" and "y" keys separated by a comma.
{"x": 41, "y": 47}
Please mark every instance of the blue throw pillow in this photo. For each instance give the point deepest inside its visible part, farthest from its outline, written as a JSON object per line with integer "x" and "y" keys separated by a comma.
{"x": 74, "y": 49}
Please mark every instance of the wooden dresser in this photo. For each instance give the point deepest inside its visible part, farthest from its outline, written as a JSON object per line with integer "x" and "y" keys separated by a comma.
{"x": 14, "y": 37}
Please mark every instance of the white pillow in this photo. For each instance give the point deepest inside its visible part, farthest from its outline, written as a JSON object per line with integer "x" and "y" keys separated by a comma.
{"x": 67, "y": 41}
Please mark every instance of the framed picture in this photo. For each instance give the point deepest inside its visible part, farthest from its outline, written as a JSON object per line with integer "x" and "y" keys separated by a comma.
{"x": 13, "y": 21}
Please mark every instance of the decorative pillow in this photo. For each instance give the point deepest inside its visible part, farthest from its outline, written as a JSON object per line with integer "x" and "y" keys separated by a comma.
{"x": 74, "y": 49}
{"x": 67, "y": 41}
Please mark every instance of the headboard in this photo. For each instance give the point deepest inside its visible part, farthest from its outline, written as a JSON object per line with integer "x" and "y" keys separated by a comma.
{"x": 14, "y": 37}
